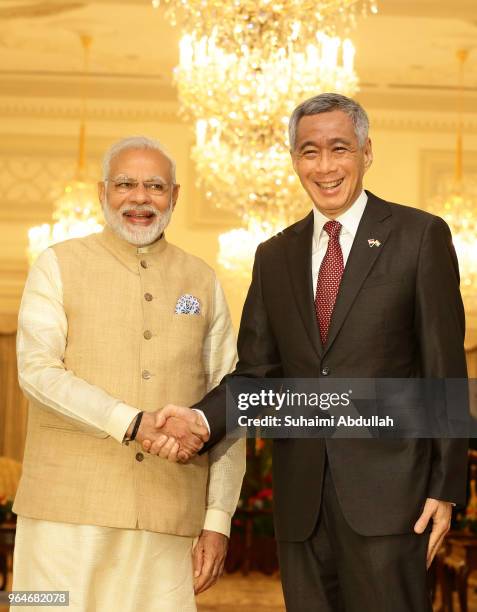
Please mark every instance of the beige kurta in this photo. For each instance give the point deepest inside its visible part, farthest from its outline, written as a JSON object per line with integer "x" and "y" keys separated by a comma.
{"x": 104, "y": 568}
{"x": 100, "y": 338}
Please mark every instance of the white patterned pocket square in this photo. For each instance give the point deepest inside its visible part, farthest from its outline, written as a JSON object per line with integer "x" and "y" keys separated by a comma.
{"x": 188, "y": 304}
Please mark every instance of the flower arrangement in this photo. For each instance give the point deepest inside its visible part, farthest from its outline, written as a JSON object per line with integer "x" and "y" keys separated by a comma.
{"x": 257, "y": 493}
{"x": 252, "y": 543}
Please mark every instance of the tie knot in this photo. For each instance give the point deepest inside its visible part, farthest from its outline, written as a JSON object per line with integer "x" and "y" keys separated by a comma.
{"x": 332, "y": 228}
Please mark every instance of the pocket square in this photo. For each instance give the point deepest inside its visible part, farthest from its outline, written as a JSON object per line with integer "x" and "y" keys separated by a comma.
{"x": 188, "y": 304}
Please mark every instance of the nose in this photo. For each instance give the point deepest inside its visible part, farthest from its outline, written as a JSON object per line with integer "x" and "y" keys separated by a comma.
{"x": 140, "y": 195}
{"x": 326, "y": 163}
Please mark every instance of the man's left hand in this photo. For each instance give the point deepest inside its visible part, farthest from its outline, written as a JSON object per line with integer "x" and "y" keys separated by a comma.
{"x": 440, "y": 512}
{"x": 208, "y": 559}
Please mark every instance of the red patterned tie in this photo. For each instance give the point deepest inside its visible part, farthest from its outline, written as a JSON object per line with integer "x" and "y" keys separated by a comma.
{"x": 329, "y": 278}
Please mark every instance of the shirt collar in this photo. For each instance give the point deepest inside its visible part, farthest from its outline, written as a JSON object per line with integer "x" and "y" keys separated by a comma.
{"x": 349, "y": 219}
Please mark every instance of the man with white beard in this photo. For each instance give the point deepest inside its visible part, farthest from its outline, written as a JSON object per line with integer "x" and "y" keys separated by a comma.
{"x": 112, "y": 327}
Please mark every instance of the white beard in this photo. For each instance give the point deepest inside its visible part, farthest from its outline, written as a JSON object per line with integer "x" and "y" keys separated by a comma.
{"x": 140, "y": 236}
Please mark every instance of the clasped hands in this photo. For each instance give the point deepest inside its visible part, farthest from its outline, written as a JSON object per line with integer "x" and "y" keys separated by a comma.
{"x": 174, "y": 433}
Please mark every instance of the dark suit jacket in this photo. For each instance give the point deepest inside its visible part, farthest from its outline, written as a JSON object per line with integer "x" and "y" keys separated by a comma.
{"x": 398, "y": 314}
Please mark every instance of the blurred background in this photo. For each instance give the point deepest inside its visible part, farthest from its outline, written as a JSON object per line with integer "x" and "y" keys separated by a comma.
{"x": 215, "y": 82}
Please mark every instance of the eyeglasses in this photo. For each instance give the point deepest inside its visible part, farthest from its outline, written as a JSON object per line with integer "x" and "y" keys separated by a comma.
{"x": 125, "y": 185}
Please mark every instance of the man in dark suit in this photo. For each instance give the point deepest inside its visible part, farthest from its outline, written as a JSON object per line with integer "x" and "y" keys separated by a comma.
{"x": 360, "y": 288}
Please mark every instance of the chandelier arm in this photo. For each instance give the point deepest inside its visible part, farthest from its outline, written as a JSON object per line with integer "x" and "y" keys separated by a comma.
{"x": 81, "y": 162}
{"x": 462, "y": 55}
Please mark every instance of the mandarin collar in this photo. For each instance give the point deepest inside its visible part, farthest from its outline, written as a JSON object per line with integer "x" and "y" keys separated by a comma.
{"x": 130, "y": 254}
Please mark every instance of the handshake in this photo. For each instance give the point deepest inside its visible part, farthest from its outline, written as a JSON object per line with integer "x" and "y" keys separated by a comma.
{"x": 174, "y": 433}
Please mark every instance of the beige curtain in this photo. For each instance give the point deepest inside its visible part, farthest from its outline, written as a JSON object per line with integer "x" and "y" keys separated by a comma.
{"x": 13, "y": 405}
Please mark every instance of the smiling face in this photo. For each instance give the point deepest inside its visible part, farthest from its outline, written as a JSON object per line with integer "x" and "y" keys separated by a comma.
{"x": 138, "y": 197}
{"x": 330, "y": 162}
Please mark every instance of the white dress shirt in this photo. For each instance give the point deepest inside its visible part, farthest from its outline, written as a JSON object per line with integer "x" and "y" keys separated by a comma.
{"x": 349, "y": 220}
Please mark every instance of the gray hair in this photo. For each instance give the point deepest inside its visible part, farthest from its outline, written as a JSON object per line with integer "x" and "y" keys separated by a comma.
{"x": 325, "y": 103}
{"x": 135, "y": 142}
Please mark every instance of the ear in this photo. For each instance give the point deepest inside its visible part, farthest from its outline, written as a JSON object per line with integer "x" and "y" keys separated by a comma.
{"x": 368, "y": 154}
{"x": 101, "y": 191}
{"x": 175, "y": 194}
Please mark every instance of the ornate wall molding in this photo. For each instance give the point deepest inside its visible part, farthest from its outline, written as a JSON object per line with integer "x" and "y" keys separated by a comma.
{"x": 437, "y": 165}
{"x": 44, "y": 108}
{"x": 166, "y": 112}
{"x": 420, "y": 121}
{"x": 32, "y": 176}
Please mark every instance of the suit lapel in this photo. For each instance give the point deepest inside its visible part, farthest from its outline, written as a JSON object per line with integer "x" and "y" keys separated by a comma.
{"x": 360, "y": 261}
{"x": 298, "y": 251}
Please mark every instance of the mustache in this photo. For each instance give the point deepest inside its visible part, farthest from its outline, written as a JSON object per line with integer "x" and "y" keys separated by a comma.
{"x": 128, "y": 208}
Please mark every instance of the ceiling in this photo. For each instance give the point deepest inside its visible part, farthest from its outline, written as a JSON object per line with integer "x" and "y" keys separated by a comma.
{"x": 405, "y": 54}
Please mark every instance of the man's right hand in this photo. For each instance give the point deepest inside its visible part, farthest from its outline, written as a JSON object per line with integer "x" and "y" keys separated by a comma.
{"x": 172, "y": 437}
{"x": 172, "y": 420}
{"x": 174, "y": 441}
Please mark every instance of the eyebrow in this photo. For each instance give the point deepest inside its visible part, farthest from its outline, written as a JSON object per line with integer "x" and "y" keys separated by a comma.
{"x": 332, "y": 141}
{"x": 307, "y": 143}
{"x": 340, "y": 140}
{"x": 148, "y": 180}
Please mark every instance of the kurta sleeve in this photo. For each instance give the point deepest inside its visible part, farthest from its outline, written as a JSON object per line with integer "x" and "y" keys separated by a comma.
{"x": 41, "y": 343}
{"x": 227, "y": 458}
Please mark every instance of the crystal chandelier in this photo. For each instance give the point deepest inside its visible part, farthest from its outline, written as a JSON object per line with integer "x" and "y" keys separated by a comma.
{"x": 237, "y": 247}
{"x": 77, "y": 212}
{"x": 268, "y": 24}
{"x": 241, "y": 150}
{"x": 251, "y": 93}
{"x": 241, "y": 177}
{"x": 456, "y": 202}
{"x": 244, "y": 65}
